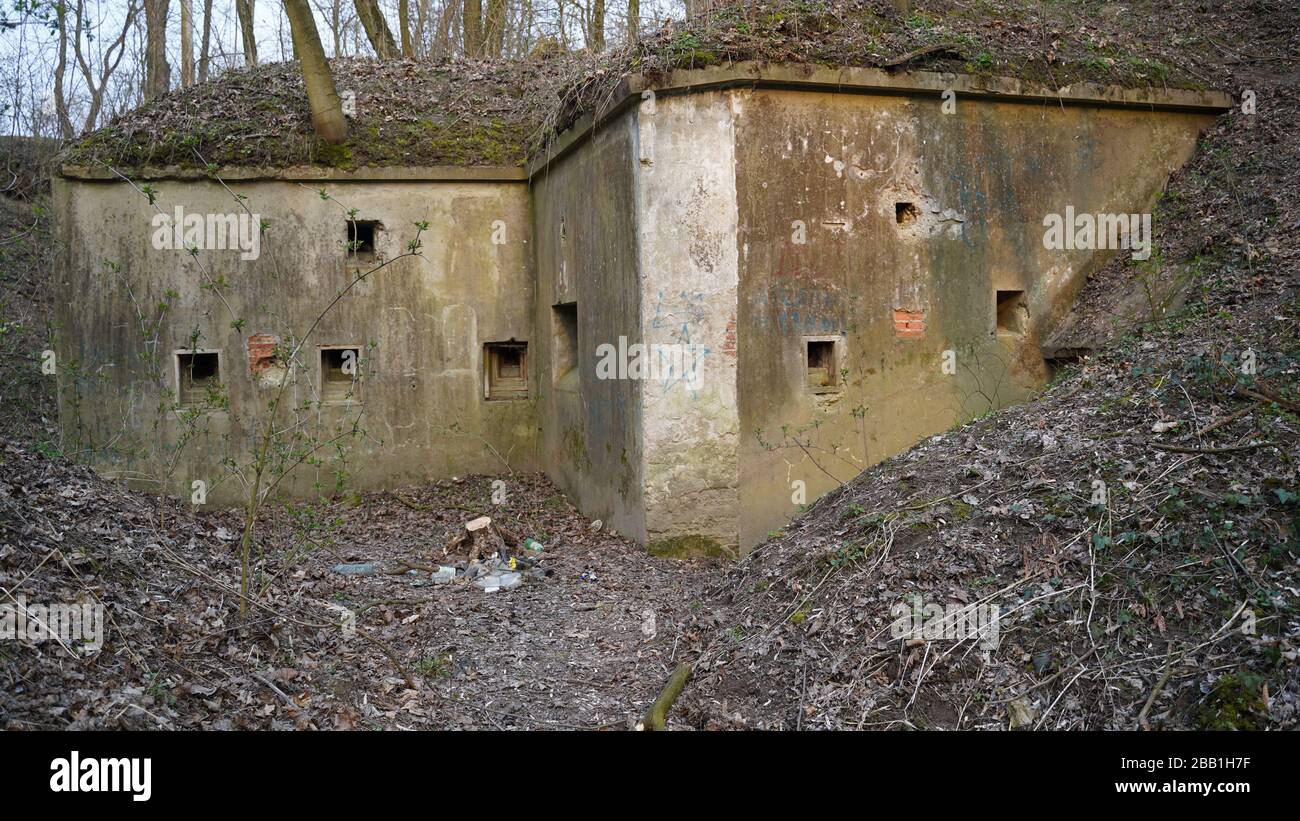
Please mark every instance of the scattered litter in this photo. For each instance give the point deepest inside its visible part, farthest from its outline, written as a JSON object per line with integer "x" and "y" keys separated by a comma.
{"x": 532, "y": 544}
{"x": 356, "y": 569}
{"x": 1022, "y": 713}
{"x": 493, "y": 582}
{"x": 445, "y": 575}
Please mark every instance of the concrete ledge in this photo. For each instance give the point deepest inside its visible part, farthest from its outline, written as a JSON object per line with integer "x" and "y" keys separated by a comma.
{"x": 923, "y": 83}
{"x": 310, "y": 173}
{"x": 853, "y": 80}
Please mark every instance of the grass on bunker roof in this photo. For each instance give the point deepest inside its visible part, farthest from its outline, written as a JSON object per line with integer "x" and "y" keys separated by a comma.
{"x": 498, "y": 112}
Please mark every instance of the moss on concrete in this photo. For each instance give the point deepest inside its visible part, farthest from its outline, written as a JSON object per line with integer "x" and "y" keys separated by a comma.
{"x": 688, "y": 547}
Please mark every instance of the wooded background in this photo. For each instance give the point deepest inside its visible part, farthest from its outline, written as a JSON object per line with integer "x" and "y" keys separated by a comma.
{"x": 68, "y": 66}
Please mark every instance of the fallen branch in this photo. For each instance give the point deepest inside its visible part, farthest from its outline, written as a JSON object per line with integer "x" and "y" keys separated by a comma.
{"x": 1209, "y": 451}
{"x": 1226, "y": 420}
{"x": 1155, "y": 691}
{"x": 922, "y": 52}
{"x": 656, "y": 718}
{"x": 1262, "y": 395}
{"x": 388, "y": 651}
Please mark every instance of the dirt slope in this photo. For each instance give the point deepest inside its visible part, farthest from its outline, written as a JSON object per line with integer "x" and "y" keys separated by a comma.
{"x": 1171, "y": 601}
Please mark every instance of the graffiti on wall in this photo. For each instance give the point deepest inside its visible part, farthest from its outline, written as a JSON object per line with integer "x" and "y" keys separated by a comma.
{"x": 799, "y": 308}
{"x": 678, "y": 319}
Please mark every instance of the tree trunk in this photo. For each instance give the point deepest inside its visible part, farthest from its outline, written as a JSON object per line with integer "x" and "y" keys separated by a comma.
{"x": 471, "y": 26}
{"x": 633, "y": 20}
{"x": 495, "y": 34}
{"x": 205, "y": 43}
{"x": 596, "y": 37}
{"x": 419, "y": 29}
{"x": 244, "y": 10}
{"x": 404, "y": 26}
{"x": 157, "y": 72}
{"x": 336, "y": 26}
{"x": 372, "y": 19}
{"x": 187, "y": 43}
{"x": 442, "y": 38}
{"x": 60, "y": 70}
{"x": 326, "y": 108}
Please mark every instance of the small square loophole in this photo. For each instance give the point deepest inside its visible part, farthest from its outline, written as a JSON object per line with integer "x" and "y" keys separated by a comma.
{"x": 198, "y": 375}
{"x": 361, "y": 238}
{"x": 822, "y": 362}
{"x": 506, "y": 368}
{"x": 340, "y": 368}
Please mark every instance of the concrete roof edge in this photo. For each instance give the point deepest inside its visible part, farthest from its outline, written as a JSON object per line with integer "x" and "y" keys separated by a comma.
{"x": 861, "y": 80}
{"x": 309, "y": 173}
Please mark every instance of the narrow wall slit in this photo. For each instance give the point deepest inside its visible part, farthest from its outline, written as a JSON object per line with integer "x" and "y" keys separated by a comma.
{"x": 564, "y": 350}
{"x": 1012, "y": 315}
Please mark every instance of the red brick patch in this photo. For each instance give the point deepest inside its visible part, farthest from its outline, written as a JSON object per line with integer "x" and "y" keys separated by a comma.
{"x": 909, "y": 324}
{"x": 261, "y": 352}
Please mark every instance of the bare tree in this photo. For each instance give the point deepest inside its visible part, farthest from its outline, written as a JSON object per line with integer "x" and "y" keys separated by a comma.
{"x": 633, "y": 20}
{"x": 206, "y": 41}
{"x": 596, "y": 26}
{"x": 471, "y": 26}
{"x": 494, "y": 34}
{"x": 60, "y": 71}
{"x": 326, "y": 108}
{"x": 244, "y": 11}
{"x": 404, "y": 26}
{"x": 187, "y": 43}
{"x": 157, "y": 71}
{"x": 97, "y": 82}
{"x": 442, "y": 39}
{"x": 372, "y": 19}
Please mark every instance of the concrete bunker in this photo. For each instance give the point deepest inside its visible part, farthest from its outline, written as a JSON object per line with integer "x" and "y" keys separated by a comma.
{"x": 915, "y": 282}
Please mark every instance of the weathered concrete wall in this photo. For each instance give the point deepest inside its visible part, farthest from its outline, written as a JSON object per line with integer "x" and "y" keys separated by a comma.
{"x": 686, "y": 197}
{"x": 720, "y": 231}
{"x": 586, "y": 256}
{"x": 819, "y": 179}
{"x": 124, "y": 307}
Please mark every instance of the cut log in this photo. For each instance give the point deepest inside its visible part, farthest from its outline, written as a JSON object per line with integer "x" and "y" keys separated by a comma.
{"x": 481, "y": 536}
